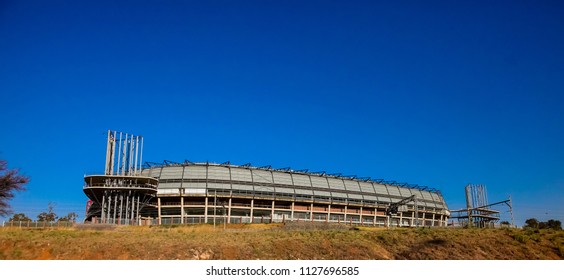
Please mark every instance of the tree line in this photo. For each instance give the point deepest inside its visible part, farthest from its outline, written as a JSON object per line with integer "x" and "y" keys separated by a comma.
{"x": 46, "y": 216}
{"x": 550, "y": 224}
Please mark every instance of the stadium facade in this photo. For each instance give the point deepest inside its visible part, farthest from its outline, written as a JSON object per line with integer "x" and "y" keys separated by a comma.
{"x": 179, "y": 193}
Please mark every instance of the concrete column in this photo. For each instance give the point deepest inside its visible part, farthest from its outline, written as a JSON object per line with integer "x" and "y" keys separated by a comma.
{"x": 103, "y": 208}
{"x": 159, "y": 209}
{"x": 433, "y": 219}
{"x": 329, "y": 213}
{"x": 181, "y": 209}
{"x": 252, "y": 209}
{"x": 345, "y": 216}
{"x": 292, "y": 212}
{"x": 361, "y": 222}
{"x": 206, "y": 210}
{"x": 401, "y": 219}
{"x": 229, "y": 212}
{"x": 311, "y": 212}
{"x": 115, "y": 208}
{"x": 272, "y": 212}
{"x": 375, "y": 216}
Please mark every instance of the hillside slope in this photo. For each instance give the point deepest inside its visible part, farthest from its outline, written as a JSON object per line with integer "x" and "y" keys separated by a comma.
{"x": 273, "y": 242}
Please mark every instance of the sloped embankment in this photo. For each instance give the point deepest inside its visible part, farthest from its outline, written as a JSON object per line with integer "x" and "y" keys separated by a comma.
{"x": 280, "y": 242}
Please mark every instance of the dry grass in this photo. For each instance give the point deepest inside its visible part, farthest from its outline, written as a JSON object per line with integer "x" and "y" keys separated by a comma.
{"x": 275, "y": 241}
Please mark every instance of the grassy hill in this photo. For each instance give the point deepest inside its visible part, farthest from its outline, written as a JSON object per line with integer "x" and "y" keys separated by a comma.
{"x": 277, "y": 241}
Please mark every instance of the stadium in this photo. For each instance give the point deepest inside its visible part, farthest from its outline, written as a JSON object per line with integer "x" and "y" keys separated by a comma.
{"x": 187, "y": 193}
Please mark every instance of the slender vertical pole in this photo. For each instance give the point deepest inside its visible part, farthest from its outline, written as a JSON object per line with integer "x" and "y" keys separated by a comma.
{"x": 108, "y": 214}
{"x": 181, "y": 209}
{"x": 206, "y": 209}
{"x": 131, "y": 155}
{"x": 119, "y": 169}
{"x": 252, "y": 210}
{"x": 109, "y": 155}
{"x": 511, "y": 212}
{"x": 159, "y": 209}
{"x": 229, "y": 212}
{"x": 132, "y": 213}
{"x": 214, "y": 206}
{"x": 115, "y": 208}
{"x": 113, "y": 153}
{"x": 136, "y": 154}
{"x": 141, "y": 156}
{"x": 124, "y": 155}
{"x": 127, "y": 198}
{"x": 103, "y": 206}
{"x": 137, "y": 214}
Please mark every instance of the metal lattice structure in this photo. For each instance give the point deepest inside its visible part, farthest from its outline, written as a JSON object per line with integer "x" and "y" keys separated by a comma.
{"x": 479, "y": 212}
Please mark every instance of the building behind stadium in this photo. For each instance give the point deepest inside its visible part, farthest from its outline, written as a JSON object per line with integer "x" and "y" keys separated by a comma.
{"x": 130, "y": 192}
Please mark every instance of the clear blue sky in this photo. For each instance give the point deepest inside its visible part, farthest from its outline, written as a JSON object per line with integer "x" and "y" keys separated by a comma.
{"x": 436, "y": 93}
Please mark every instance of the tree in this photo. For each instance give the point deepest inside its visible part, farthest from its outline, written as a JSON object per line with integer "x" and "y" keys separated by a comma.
{"x": 48, "y": 216}
{"x": 554, "y": 224}
{"x": 70, "y": 217}
{"x": 532, "y": 223}
{"x": 10, "y": 181}
{"x": 20, "y": 217}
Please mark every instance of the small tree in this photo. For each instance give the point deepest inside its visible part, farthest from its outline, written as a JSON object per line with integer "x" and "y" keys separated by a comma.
{"x": 554, "y": 224}
{"x": 20, "y": 217}
{"x": 10, "y": 181}
{"x": 532, "y": 223}
{"x": 70, "y": 217}
{"x": 48, "y": 216}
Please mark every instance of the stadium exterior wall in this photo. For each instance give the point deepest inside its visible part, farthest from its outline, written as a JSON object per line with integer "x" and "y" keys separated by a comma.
{"x": 225, "y": 193}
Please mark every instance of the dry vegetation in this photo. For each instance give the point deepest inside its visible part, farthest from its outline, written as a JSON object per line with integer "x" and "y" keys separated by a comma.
{"x": 261, "y": 241}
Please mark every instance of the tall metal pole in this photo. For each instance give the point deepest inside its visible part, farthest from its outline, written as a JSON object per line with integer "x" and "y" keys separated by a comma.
{"x": 511, "y": 212}
{"x": 119, "y": 155}
{"x": 136, "y": 153}
{"x": 141, "y": 156}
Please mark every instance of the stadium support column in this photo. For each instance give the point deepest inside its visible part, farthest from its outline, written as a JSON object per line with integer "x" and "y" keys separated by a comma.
{"x": 292, "y": 212}
{"x": 361, "y": 223}
{"x": 115, "y": 208}
{"x": 272, "y": 212}
{"x": 181, "y": 209}
{"x": 311, "y": 211}
{"x": 159, "y": 209}
{"x": 345, "y": 216}
{"x": 206, "y": 210}
{"x": 329, "y": 213}
{"x": 103, "y": 208}
{"x": 252, "y": 209}
{"x": 229, "y": 212}
{"x": 400, "y": 219}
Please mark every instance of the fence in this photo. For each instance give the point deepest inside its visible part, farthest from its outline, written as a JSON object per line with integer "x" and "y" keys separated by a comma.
{"x": 37, "y": 224}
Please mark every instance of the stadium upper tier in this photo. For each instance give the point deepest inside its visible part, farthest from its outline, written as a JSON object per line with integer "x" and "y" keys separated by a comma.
{"x": 285, "y": 184}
